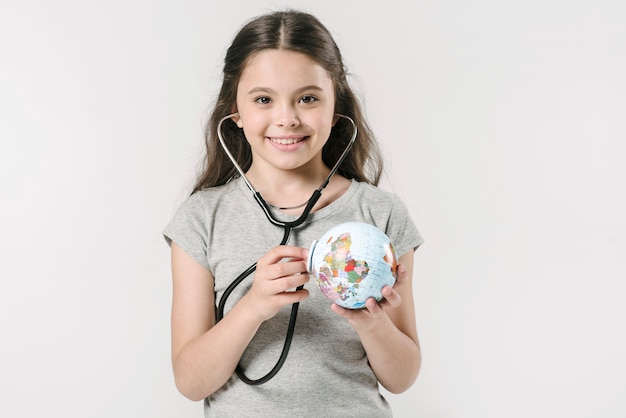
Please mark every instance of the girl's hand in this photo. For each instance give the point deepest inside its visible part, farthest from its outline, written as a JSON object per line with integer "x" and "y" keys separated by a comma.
{"x": 365, "y": 318}
{"x": 278, "y": 274}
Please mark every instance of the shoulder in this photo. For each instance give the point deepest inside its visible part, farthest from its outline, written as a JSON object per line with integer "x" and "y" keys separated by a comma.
{"x": 373, "y": 204}
{"x": 197, "y": 210}
{"x": 216, "y": 191}
{"x": 206, "y": 198}
{"x": 193, "y": 223}
{"x": 387, "y": 211}
{"x": 369, "y": 194}
{"x": 373, "y": 190}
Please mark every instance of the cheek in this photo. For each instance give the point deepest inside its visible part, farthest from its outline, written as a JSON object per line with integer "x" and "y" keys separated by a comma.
{"x": 249, "y": 121}
{"x": 325, "y": 125}
{"x": 254, "y": 129}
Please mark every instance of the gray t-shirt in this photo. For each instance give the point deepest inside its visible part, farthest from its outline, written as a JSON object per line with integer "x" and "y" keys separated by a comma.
{"x": 326, "y": 373}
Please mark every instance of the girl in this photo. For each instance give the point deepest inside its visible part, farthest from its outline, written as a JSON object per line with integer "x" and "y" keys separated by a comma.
{"x": 285, "y": 86}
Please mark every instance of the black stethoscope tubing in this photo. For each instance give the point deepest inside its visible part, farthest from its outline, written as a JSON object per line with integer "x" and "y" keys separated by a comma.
{"x": 287, "y": 227}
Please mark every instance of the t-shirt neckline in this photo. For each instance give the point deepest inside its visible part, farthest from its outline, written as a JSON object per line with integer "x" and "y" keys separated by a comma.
{"x": 320, "y": 214}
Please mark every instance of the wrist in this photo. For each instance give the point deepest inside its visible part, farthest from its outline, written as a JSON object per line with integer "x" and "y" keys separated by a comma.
{"x": 247, "y": 314}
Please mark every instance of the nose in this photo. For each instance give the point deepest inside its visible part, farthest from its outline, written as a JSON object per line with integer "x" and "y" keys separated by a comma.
{"x": 287, "y": 116}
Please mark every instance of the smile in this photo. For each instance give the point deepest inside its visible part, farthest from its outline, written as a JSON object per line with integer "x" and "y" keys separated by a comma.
{"x": 290, "y": 140}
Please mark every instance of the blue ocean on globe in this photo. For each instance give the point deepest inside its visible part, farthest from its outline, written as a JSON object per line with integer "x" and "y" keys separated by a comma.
{"x": 352, "y": 262}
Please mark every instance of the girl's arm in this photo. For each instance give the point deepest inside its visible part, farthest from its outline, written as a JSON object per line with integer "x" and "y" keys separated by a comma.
{"x": 205, "y": 354}
{"x": 388, "y": 332}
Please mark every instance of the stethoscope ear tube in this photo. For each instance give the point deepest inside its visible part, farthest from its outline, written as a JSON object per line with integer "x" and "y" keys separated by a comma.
{"x": 342, "y": 157}
{"x": 287, "y": 227}
{"x": 305, "y": 213}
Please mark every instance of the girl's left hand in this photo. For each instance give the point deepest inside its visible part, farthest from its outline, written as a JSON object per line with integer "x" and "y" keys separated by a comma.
{"x": 365, "y": 318}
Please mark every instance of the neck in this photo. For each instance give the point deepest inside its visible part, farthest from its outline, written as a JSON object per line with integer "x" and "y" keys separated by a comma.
{"x": 292, "y": 195}
{"x": 287, "y": 189}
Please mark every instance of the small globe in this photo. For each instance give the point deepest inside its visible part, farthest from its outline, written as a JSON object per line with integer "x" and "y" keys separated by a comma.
{"x": 352, "y": 262}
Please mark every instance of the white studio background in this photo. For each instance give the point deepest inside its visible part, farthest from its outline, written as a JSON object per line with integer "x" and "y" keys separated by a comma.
{"x": 503, "y": 124}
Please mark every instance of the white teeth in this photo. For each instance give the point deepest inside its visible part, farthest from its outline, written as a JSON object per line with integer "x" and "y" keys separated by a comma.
{"x": 285, "y": 141}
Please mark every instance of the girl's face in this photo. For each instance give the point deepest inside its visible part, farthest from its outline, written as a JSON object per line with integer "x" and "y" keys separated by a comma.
{"x": 286, "y": 105}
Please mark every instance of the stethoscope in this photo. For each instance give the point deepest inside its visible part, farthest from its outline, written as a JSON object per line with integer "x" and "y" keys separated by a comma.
{"x": 287, "y": 227}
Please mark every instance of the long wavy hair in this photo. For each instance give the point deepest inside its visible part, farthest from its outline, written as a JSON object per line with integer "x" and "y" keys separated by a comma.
{"x": 300, "y": 32}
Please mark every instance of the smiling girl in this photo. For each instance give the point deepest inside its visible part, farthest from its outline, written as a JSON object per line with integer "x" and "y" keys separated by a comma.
{"x": 284, "y": 84}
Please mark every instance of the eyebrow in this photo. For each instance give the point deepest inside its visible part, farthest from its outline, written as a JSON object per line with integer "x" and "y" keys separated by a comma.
{"x": 269, "y": 90}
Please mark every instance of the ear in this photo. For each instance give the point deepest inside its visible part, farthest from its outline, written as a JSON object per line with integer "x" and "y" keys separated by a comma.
{"x": 336, "y": 117}
{"x": 236, "y": 118}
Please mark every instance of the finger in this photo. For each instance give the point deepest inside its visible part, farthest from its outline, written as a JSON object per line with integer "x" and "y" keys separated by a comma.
{"x": 284, "y": 276}
{"x": 286, "y": 270}
{"x": 392, "y": 299}
{"x": 343, "y": 312}
{"x": 373, "y": 307}
{"x": 289, "y": 283}
{"x": 402, "y": 275}
{"x": 289, "y": 298}
{"x": 281, "y": 252}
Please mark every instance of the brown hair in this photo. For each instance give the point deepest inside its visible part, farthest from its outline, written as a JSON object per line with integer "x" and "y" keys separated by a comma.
{"x": 299, "y": 32}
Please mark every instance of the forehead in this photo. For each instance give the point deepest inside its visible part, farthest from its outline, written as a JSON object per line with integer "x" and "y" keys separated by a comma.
{"x": 282, "y": 68}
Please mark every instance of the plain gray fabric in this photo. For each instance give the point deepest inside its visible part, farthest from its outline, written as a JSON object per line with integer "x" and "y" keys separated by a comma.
{"x": 326, "y": 373}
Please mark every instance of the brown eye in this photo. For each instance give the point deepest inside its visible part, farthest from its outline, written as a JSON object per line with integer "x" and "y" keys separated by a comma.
{"x": 263, "y": 100}
{"x": 308, "y": 99}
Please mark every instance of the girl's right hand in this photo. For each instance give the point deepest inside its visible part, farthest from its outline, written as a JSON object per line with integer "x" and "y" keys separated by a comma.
{"x": 205, "y": 353}
{"x": 278, "y": 273}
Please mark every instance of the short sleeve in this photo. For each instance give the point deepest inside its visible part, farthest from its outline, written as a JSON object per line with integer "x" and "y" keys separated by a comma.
{"x": 401, "y": 229}
{"x": 189, "y": 230}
